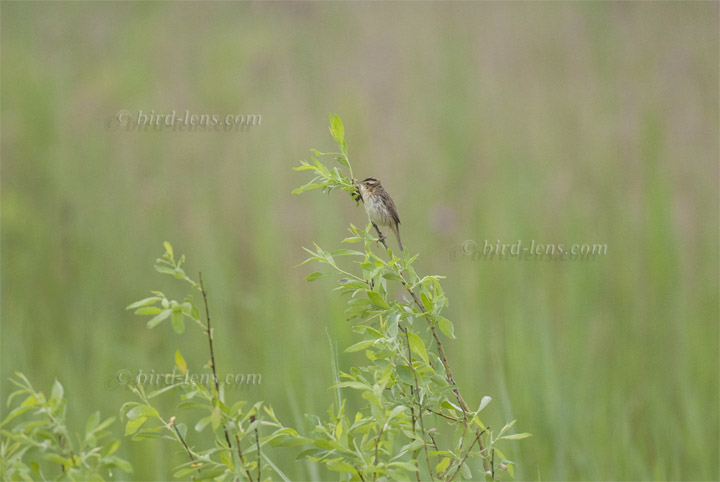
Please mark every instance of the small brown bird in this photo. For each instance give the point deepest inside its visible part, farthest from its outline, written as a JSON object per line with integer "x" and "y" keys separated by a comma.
{"x": 379, "y": 207}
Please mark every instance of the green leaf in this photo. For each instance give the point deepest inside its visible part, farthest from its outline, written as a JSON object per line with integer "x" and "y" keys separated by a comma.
{"x": 142, "y": 411}
{"x": 346, "y": 252}
{"x": 405, "y": 374}
{"x": 178, "y": 320}
{"x": 202, "y": 423}
{"x": 113, "y": 448}
{"x": 414, "y": 445}
{"x": 361, "y": 345}
{"x": 408, "y": 466}
{"x": 450, "y": 406}
{"x": 169, "y": 249}
{"x": 182, "y": 473}
{"x": 395, "y": 412}
{"x": 392, "y": 275}
{"x": 148, "y": 310}
{"x": 447, "y": 327}
{"x": 352, "y": 239}
{"x": 426, "y": 301}
{"x": 443, "y": 465}
{"x": 57, "y": 459}
{"x": 342, "y": 467}
{"x": 180, "y": 362}
{"x": 517, "y": 436}
{"x": 56, "y": 395}
{"x": 216, "y": 418}
{"x": 353, "y": 284}
{"x": 306, "y": 187}
{"x": 133, "y": 425}
{"x": 506, "y": 427}
{"x": 305, "y": 167}
{"x": 121, "y": 464}
{"x": 377, "y": 299}
{"x": 355, "y": 385}
{"x": 164, "y": 389}
{"x": 317, "y": 275}
{"x": 104, "y": 424}
{"x": 92, "y": 422}
{"x": 337, "y": 129}
{"x": 343, "y": 160}
{"x": 466, "y": 472}
{"x": 144, "y": 302}
{"x": 484, "y": 402}
{"x": 418, "y": 346}
{"x": 165, "y": 270}
{"x": 156, "y": 320}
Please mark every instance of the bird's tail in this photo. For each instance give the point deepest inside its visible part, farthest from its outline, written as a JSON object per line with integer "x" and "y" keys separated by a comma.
{"x": 396, "y": 230}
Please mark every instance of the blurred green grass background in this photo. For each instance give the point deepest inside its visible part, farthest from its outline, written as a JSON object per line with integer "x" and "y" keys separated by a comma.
{"x": 554, "y": 122}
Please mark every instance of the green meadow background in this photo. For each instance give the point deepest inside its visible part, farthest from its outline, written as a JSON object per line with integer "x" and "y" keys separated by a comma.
{"x": 559, "y": 122}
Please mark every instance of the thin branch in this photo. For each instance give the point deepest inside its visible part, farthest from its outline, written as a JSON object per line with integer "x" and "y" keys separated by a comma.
{"x": 179, "y": 436}
{"x": 212, "y": 352}
{"x": 417, "y": 392}
{"x": 412, "y": 414}
{"x": 492, "y": 464}
{"x": 443, "y": 415}
{"x": 61, "y": 444}
{"x": 257, "y": 441}
{"x": 467, "y": 454}
{"x": 359, "y": 474}
{"x": 443, "y": 357}
{"x": 448, "y": 371}
{"x": 182, "y": 440}
{"x": 242, "y": 459}
{"x": 377, "y": 447}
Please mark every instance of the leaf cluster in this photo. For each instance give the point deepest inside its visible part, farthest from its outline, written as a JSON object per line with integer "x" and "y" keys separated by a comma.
{"x": 414, "y": 422}
{"x": 37, "y": 444}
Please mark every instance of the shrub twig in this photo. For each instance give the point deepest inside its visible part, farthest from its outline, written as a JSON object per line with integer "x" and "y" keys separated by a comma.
{"x": 212, "y": 352}
{"x": 417, "y": 395}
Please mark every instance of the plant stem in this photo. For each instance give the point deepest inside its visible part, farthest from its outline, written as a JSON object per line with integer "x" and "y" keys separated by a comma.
{"x": 184, "y": 444}
{"x": 412, "y": 413}
{"x": 242, "y": 459}
{"x": 443, "y": 357}
{"x": 377, "y": 447}
{"x": 257, "y": 441}
{"x": 212, "y": 352}
{"x": 417, "y": 394}
{"x": 359, "y": 474}
{"x": 467, "y": 454}
{"x": 448, "y": 371}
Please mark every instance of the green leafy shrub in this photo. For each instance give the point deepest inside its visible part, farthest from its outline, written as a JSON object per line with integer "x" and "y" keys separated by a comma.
{"x": 38, "y": 445}
{"x": 415, "y": 421}
{"x": 241, "y": 432}
{"x": 412, "y": 421}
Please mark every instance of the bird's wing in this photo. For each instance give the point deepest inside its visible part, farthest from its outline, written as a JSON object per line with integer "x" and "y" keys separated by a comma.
{"x": 393, "y": 210}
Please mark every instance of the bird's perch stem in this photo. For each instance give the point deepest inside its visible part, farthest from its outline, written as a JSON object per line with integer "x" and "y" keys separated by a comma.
{"x": 212, "y": 351}
{"x": 448, "y": 371}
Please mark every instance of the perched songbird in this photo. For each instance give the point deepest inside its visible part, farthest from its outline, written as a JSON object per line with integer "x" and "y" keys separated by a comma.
{"x": 379, "y": 207}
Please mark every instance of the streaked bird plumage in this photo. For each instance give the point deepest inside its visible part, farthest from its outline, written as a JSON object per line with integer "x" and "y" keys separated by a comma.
{"x": 379, "y": 207}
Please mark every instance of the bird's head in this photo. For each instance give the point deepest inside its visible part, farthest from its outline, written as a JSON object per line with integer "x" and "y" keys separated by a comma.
{"x": 370, "y": 184}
